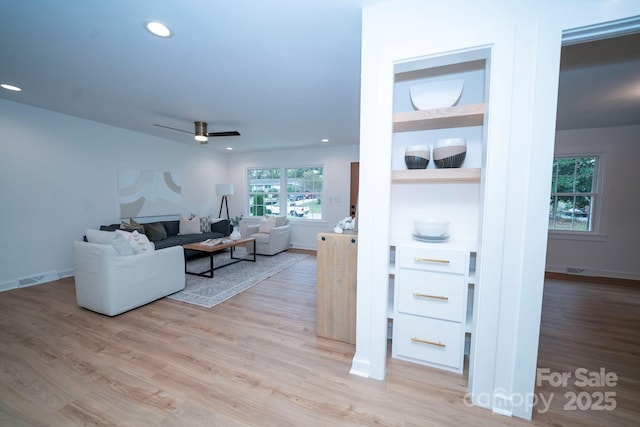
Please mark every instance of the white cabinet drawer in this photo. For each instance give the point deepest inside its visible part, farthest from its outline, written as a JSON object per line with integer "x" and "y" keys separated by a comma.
{"x": 424, "y": 258}
{"x": 432, "y": 294}
{"x": 428, "y": 340}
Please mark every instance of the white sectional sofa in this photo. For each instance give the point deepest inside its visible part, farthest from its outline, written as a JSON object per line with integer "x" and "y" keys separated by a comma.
{"x": 110, "y": 283}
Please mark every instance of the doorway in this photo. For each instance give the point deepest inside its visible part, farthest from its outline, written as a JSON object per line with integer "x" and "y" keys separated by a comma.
{"x": 596, "y": 115}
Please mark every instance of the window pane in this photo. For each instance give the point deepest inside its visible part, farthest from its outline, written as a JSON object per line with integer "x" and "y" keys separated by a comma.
{"x": 564, "y": 216}
{"x": 304, "y": 192}
{"x": 565, "y": 184}
{"x": 552, "y": 212}
{"x": 566, "y": 166}
{"x": 572, "y": 193}
{"x": 264, "y": 190}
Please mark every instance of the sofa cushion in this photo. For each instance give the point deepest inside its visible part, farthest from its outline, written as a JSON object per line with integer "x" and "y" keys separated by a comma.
{"x": 114, "y": 239}
{"x": 111, "y": 227}
{"x": 190, "y": 225}
{"x": 261, "y": 237}
{"x": 266, "y": 224}
{"x": 172, "y": 227}
{"x": 155, "y": 231}
{"x": 220, "y": 225}
{"x": 280, "y": 221}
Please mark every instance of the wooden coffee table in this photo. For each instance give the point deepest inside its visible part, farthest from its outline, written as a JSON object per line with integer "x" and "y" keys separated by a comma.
{"x": 211, "y": 249}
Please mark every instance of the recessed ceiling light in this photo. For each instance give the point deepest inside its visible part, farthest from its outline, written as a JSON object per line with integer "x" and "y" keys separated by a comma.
{"x": 158, "y": 29}
{"x": 229, "y": 148}
{"x": 10, "y": 87}
{"x": 324, "y": 140}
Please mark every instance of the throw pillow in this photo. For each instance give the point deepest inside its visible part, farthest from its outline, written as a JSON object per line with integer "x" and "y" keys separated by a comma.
{"x": 189, "y": 226}
{"x": 205, "y": 223}
{"x": 118, "y": 242}
{"x": 138, "y": 242}
{"x": 280, "y": 221}
{"x": 155, "y": 231}
{"x": 172, "y": 227}
{"x": 266, "y": 224}
{"x": 132, "y": 225}
{"x": 221, "y": 226}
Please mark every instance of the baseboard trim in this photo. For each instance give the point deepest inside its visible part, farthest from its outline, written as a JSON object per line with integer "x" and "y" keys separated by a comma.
{"x": 7, "y": 286}
{"x": 552, "y": 275}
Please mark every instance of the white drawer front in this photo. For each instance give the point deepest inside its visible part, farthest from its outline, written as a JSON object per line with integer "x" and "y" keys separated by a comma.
{"x": 428, "y": 340}
{"x": 445, "y": 260}
{"x": 430, "y": 294}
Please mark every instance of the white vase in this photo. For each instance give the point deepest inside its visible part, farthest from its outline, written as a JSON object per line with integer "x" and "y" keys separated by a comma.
{"x": 235, "y": 235}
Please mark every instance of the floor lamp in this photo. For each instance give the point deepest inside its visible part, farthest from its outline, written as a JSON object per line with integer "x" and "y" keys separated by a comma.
{"x": 224, "y": 190}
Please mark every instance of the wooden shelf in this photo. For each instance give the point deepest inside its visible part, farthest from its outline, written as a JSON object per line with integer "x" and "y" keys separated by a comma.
{"x": 436, "y": 175}
{"x": 451, "y": 117}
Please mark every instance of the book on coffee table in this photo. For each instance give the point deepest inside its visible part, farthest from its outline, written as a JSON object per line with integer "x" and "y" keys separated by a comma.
{"x": 214, "y": 242}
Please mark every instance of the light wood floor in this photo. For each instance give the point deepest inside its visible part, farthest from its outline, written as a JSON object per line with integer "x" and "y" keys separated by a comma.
{"x": 255, "y": 360}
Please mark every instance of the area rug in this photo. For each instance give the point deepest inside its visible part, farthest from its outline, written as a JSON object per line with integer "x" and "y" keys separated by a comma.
{"x": 232, "y": 279}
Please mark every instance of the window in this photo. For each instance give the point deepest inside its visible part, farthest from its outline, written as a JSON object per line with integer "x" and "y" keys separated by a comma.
{"x": 574, "y": 193}
{"x": 304, "y": 192}
{"x": 301, "y": 197}
{"x": 264, "y": 190}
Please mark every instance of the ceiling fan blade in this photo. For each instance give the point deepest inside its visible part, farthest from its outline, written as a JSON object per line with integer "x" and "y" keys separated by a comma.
{"x": 229, "y": 133}
{"x": 169, "y": 127}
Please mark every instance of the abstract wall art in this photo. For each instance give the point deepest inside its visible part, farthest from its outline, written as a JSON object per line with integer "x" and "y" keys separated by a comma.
{"x": 143, "y": 192}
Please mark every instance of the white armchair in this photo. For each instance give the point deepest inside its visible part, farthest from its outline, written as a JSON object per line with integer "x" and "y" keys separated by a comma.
{"x": 272, "y": 235}
{"x": 109, "y": 283}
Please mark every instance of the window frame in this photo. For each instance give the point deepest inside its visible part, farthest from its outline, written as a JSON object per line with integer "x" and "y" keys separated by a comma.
{"x": 597, "y": 201}
{"x": 283, "y": 200}
{"x": 251, "y": 194}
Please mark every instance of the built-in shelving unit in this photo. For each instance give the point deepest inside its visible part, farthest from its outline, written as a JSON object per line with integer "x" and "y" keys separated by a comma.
{"x": 432, "y": 285}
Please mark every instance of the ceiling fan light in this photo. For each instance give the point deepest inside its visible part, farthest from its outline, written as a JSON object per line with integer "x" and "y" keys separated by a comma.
{"x": 201, "y": 131}
{"x": 158, "y": 29}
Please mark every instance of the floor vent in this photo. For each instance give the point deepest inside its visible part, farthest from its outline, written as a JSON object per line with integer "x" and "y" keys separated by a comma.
{"x": 36, "y": 280}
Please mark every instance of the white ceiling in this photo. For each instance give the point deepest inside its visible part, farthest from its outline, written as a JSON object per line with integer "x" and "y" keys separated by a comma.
{"x": 285, "y": 73}
{"x": 600, "y": 84}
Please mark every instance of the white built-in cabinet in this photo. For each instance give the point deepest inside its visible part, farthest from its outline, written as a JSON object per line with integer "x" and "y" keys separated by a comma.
{"x": 432, "y": 285}
{"x": 433, "y": 303}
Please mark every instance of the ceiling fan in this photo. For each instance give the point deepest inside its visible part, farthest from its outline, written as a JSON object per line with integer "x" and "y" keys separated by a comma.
{"x": 201, "y": 134}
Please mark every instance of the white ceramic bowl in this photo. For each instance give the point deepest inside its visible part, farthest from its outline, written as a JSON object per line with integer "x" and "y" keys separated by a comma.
{"x": 431, "y": 227}
{"x": 440, "y": 94}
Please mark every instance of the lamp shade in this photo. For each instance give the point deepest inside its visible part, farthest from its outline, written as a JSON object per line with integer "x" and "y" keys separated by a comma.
{"x": 224, "y": 189}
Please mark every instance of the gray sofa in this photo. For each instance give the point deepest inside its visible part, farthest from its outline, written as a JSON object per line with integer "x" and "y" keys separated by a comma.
{"x": 164, "y": 234}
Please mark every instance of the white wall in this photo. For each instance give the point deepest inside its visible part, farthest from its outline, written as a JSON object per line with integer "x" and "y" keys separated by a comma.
{"x": 58, "y": 177}
{"x": 614, "y": 254}
{"x": 336, "y": 162}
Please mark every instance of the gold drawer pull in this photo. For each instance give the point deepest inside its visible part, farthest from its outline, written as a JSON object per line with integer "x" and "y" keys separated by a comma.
{"x": 437, "y": 344}
{"x": 439, "y": 261}
{"x": 419, "y": 295}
